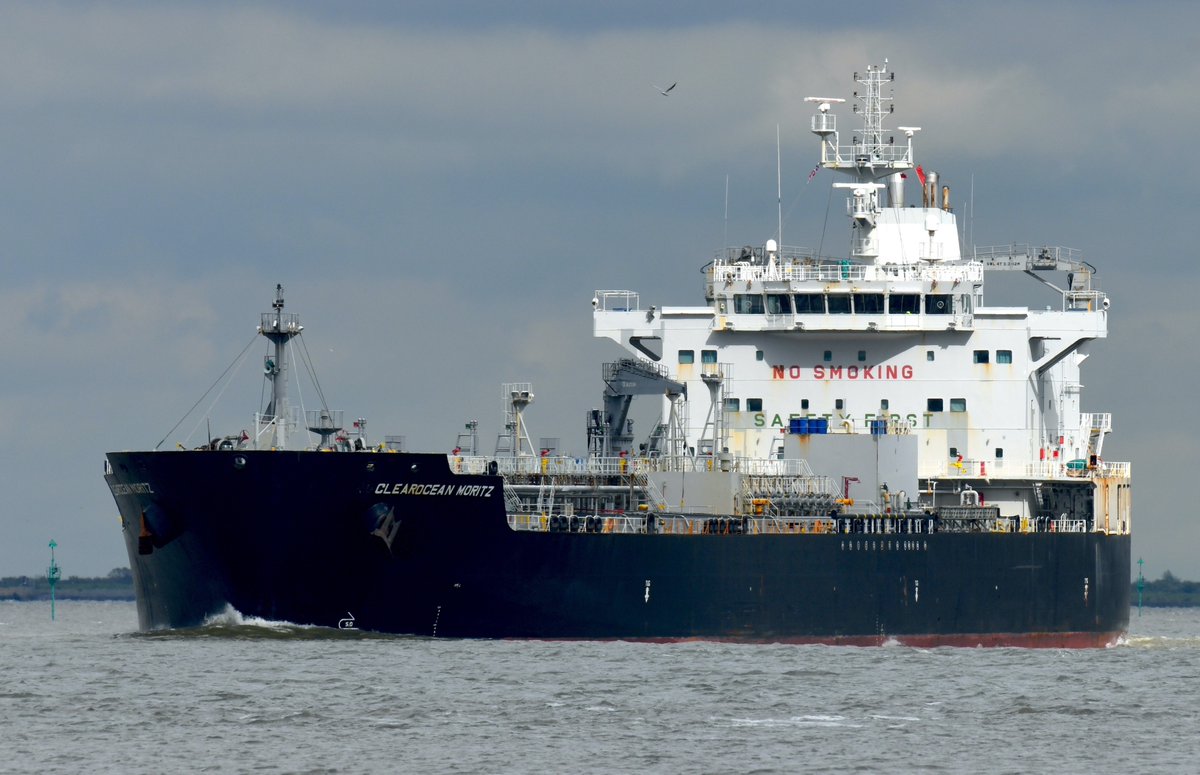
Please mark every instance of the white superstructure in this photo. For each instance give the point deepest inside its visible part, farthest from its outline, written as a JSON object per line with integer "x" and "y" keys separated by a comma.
{"x": 894, "y": 336}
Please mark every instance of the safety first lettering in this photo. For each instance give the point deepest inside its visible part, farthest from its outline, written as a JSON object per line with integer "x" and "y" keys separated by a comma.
{"x": 459, "y": 490}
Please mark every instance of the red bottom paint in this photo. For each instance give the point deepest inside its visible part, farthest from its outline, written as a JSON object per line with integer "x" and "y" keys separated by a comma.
{"x": 1024, "y": 640}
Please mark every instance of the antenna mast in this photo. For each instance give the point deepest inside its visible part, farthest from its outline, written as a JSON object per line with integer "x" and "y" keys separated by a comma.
{"x": 278, "y": 327}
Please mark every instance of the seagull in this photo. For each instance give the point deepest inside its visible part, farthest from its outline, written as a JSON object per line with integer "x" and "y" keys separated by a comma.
{"x": 665, "y": 92}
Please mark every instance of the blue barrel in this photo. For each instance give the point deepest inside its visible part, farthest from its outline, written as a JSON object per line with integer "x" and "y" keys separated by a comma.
{"x": 878, "y": 427}
{"x": 819, "y": 425}
{"x": 804, "y": 426}
{"x": 794, "y": 426}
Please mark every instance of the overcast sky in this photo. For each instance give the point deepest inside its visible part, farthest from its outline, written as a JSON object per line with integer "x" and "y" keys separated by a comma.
{"x": 441, "y": 189}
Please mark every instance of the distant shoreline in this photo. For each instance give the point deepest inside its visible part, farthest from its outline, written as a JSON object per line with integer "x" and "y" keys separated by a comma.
{"x": 117, "y": 585}
{"x": 1167, "y": 592}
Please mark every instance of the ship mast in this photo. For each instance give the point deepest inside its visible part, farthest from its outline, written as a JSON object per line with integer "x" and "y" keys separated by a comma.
{"x": 873, "y": 162}
{"x": 278, "y": 327}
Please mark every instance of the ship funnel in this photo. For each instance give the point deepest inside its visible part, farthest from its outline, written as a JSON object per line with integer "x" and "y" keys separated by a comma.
{"x": 929, "y": 190}
{"x": 896, "y": 189}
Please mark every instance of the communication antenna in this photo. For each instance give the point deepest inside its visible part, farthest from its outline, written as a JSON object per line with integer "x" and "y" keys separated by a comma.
{"x": 778, "y": 185}
{"x": 725, "y": 238}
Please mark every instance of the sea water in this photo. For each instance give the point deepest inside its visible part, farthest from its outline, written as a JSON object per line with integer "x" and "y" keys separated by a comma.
{"x": 88, "y": 693}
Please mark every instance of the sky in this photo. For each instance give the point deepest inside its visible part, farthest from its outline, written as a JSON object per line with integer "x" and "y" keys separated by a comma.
{"x": 442, "y": 186}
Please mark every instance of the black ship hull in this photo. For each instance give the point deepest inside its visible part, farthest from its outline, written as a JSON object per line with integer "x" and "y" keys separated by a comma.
{"x": 398, "y": 543}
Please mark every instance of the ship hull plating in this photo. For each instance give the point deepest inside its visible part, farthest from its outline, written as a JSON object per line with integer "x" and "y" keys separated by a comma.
{"x": 398, "y": 543}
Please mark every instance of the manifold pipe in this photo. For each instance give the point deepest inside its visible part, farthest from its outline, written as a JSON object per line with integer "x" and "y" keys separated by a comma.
{"x": 559, "y": 488}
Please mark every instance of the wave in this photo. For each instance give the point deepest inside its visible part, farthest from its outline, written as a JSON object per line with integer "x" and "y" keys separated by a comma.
{"x": 232, "y": 624}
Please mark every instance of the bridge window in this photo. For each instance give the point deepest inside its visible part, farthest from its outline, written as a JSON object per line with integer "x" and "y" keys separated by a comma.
{"x": 758, "y": 355}
{"x": 868, "y": 303}
{"x": 883, "y": 404}
{"x": 958, "y": 404}
{"x": 753, "y": 404}
{"x": 938, "y": 304}
{"x": 748, "y": 304}
{"x": 862, "y": 355}
{"x": 828, "y": 357}
{"x": 687, "y": 356}
{"x": 804, "y": 404}
{"x": 904, "y": 303}
{"x": 929, "y": 355}
{"x": 779, "y": 304}
{"x": 933, "y": 405}
{"x": 809, "y": 303}
{"x": 708, "y": 356}
{"x": 733, "y": 404}
{"x": 839, "y": 304}
{"x": 999, "y": 453}
{"x": 839, "y": 404}
{"x": 1004, "y": 356}
{"x": 981, "y": 356}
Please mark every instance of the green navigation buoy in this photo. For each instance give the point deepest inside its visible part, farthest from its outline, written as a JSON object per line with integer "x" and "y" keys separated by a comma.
{"x": 1141, "y": 583}
{"x": 53, "y": 573}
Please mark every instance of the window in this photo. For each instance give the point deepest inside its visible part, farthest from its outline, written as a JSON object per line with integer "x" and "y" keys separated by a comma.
{"x": 687, "y": 356}
{"x": 804, "y": 404}
{"x": 999, "y": 453}
{"x": 933, "y": 405}
{"x": 733, "y": 404}
{"x": 868, "y": 303}
{"x": 938, "y": 304}
{"x": 954, "y": 452}
{"x": 958, "y": 404}
{"x": 708, "y": 356}
{"x": 839, "y": 404}
{"x": 904, "y": 304}
{"x": 748, "y": 304}
{"x": 883, "y": 404}
{"x": 828, "y": 356}
{"x": 839, "y": 304}
{"x": 929, "y": 355}
{"x": 862, "y": 355}
{"x": 753, "y": 404}
{"x": 981, "y": 356}
{"x": 1004, "y": 356}
{"x": 809, "y": 302}
{"x": 779, "y": 304}
{"x": 758, "y": 355}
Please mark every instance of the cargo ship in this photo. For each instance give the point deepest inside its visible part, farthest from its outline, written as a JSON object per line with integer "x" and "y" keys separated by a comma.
{"x": 850, "y": 449}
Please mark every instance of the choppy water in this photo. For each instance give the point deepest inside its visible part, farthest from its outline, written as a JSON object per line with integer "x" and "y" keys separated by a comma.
{"x": 88, "y": 694}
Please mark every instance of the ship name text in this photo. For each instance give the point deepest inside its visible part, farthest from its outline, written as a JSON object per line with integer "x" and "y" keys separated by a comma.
{"x": 442, "y": 490}
{"x": 825, "y": 372}
{"x": 133, "y": 488}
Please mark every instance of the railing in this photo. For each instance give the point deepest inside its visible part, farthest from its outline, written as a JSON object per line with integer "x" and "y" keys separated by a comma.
{"x": 847, "y": 525}
{"x": 616, "y": 466}
{"x": 1096, "y": 421}
{"x": 874, "y": 154}
{"x": 1115, "y": 470}
{"x": 984, "y": 469}
{"x": 1024, "y": 256}
{"x": 844, "y": 271}
{"x": 617, "y": 301}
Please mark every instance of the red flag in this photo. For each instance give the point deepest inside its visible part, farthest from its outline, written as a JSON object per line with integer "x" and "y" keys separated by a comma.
{"x": 920, "y": 174}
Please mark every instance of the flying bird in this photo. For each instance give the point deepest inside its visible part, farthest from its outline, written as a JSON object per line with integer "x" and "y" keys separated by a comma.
{"x": 666, "y": 92}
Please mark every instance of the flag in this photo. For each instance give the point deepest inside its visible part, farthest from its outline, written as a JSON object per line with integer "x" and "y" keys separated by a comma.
{"x": 814, "y": 172}
{"x": 920, "y": 174}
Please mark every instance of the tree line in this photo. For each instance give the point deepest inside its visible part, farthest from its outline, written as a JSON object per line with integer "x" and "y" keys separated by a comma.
{"x": 1167, "y": 592}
